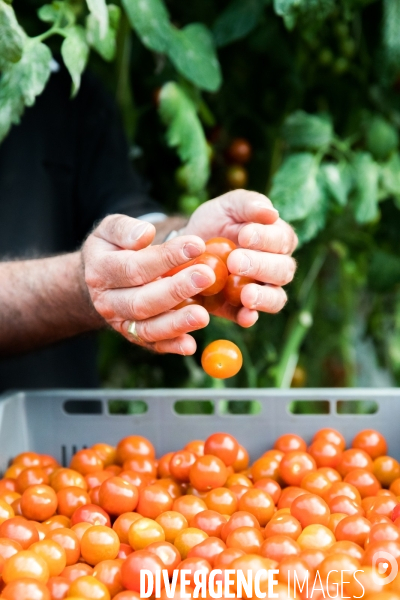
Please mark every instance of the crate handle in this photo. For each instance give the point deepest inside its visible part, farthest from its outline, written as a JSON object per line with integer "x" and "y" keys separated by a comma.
{"x": 83, "y": 407}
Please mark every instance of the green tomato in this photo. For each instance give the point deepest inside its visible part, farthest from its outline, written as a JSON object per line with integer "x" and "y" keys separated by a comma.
{"x": 188, "y": 204}
{"x": 382, "y": 138}
{"x": 182, "y": 177}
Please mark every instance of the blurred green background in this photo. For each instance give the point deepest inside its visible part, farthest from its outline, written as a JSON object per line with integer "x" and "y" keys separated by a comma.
{"x": 313, "y": 86}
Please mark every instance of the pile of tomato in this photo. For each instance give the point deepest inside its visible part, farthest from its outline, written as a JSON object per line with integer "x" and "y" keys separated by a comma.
{"x": 86, "y": 531}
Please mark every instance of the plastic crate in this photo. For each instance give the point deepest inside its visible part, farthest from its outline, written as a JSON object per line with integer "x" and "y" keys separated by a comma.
{"x": 62, "y": 421}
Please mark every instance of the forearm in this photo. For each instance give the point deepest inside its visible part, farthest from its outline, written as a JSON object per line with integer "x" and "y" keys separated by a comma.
{"x": 43, "y": 301}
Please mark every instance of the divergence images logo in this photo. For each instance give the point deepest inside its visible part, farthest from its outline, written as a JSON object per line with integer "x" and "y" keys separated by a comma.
{"x": 385, "y": 568}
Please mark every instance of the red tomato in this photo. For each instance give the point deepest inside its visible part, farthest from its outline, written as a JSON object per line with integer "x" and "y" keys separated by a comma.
{"x": 372, "y": 442}
{"x": 218, "y": 266}
{"x": 135, "y": 562}
{"x": 310, "y": 509}
{"x": 117, "y": 496}
{"x": 180, "y": 464}
{"x": 221, "y": 359}
{"x": 233, "y": 288}
{"x": 90, "y": 513}
{"x": 289, "y": 442}
{"x": 240, "y": 151}
{"x": 221, "y": 247}
{"x": 208, "y": 472}
{"x": 295, "y": 465}
{"x": 223, "y": 445}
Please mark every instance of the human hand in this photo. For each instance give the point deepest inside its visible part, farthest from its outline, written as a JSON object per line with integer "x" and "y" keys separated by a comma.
{"x": 266, "y": 244}
{"x": 122, "y": 274}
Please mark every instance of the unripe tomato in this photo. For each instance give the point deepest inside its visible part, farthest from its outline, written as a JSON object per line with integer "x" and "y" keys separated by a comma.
{"x": 236, "y": 177}
{"x": 221, "y": 359}
{"x": 188, "y": 204}
{"x": 240, "y": 151}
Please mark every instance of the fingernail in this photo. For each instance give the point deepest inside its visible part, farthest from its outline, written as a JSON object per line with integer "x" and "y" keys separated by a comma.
{"x": 257, "y": 298}
{"x": 182, "y": 350}
{"x": 191, "y": 320}
{"x": 254, "y": 238}
{"x": 244, "y": 264}
{"x": 191, "y": 250}
{"x": 139, "y": 231}
{"x": 200, "y": 281}
{"x": 267, "y": 207}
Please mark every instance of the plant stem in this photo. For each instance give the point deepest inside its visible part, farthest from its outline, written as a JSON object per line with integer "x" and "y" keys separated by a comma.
{"x": 124, "y": 93}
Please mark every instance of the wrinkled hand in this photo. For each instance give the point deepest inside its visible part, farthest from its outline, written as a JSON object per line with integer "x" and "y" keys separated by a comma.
{"x": 266, "y": 244}
{"x": 122, "y": 275}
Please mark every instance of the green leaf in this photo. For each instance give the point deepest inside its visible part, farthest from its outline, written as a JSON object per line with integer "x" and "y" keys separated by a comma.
{"x": 382, "y": 138}
{"x": 12, "y": 36}
{"x": 337, "y": 180}
{"x": 75, "y": 52}
{"x": 22, "y": 82}
{"x": 295, "y": 191}
{"x": 150, "y": 20}
{"x": 313, "y": 10}
{"x": 192, "y": 51}
{"x": 315, "y": 222}
{"x": 305, "y": 131}
{"x": 390, "y": 176}
{"x": 366, "y": 173}
{"x": 106, "y": 46}
{"x": 50, "y": 13}
{"x": 384, "y": 271}
{"x": 98, "y": 10}
{"x": 390, "y": 32}
{"x": 185, "y": 133}
{"x": 237, "y": 20}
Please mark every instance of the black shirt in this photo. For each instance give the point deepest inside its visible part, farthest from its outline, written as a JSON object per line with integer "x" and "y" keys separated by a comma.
{"x": 63, "y": 168}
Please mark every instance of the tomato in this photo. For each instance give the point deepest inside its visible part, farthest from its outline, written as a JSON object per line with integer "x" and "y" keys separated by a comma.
{"x": 19, "y": 530}
{"x": 68, "y": 540}
{"x": 344, "y": 504}
{"x": 254, "y": 563}
{"x": 99, "y": 543}
{"x": 226, "y": 558}
{"x": 270, "y": 486}
{"x": 31, "y": 476}
{"x": 154, "y": 500}
{"x": 63, "y": 478}
{"x": 386, "y": 470}
{"x": 289, "y": 442}
{"x": 353, "y": 528}
{"x": 316, "y": 537}
{"x": 187, "y": 539}
{"x": 347, "y": 547}
{"x": 86, "y": 461}
{"x": 221, "y": 500}
{"x": 140, "y": 480}
{"x": 316, "y": 483}
{"x": 57, "y": 522}
{"x": 195, "y": 446}
{"x": 58, "y": 587}
{"x": 180, "y": 464}
{"x": 96, "y": 478}
{"x": 221, "y": 247}
{"x": 267, "y": 466}
{"x": 342, "y": 488}
{"x": 88, "y": 587}
{"x": 25, "y": 564}
{"x": 168, "y": 554}
{"x": 288, "y": 495}
{"x": 335, "y": 565}
{"x": 107, "y": 453}
{"x": 90, "y": 513}
{"x": 209, "y": 549}
{"x": 72, "y": 572}
{"x": 310, "y": 509}
{"x": 124, "y": 551}
{"x": 365, "y": 482}
{"x": 313, "y": 557}
{"x": 27, "y": 459}
{"x": 26, "y": 589}
{"x": 189, "y": 506}
{"x": 208, "y": 472}
{"x": 71, "y": 498}
{"x": 278, "y": 547}
{"x": 53, "y": 553}
{"x": 372, "y": 442}
{"x": 242, "y": 459}
{"x": 332, "y": 436}
{"x": 240, "y": 151}
{"x": 108, "y": 572}
{"x": 258, "y": 503}
{"x": 142, "y": 465}
{"x": 233, "y": 288}
{"x": 293, "y": 571}
{"x": 367, "y": 579}
{"x": 221, "y": 359}
{"x": 220, "y": 270}
{"x": 172, "y": 522}
{"x": 286, "y": 525}
{"x": 118, "y": 496}
{"x": 295, "y": 465}
{"x": 354, "y": 459}
{"x": 248, "y": 539}
{"x": 195, "y": 565}
{"x": 209, "y": 521}
{"x": 239, "y": 519}
{"x": 38, "y": 502}
{"x": 236, "y": 177}
{"x": 134, "y": 446}
{"x": 144, "y": 532}
{"x": 325, "y": 453}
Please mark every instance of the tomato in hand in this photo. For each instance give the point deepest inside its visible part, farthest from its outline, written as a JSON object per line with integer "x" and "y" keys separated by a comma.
{"x": 221, "y": 247}
{"x": 233, "y": 288}
{"x": 220, "y": 270}
{"x": 221, "y": 359}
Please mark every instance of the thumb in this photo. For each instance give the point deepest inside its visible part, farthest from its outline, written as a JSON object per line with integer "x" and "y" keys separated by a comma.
{"x": 250, "y": 207}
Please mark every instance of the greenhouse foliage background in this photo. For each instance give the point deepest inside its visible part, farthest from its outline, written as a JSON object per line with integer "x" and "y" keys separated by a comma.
{"x": 314, "y": 86}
